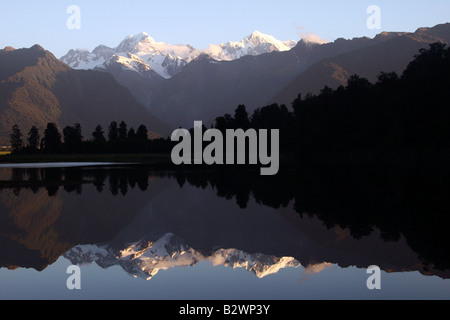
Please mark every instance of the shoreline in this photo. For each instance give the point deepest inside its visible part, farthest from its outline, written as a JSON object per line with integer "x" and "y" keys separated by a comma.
{"x": 86, "y": 158}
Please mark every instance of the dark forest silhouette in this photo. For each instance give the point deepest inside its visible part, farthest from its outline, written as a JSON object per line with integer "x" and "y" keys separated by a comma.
{"x": 397, "y": 202}
{"x": 118, "y": 139}
{"x": 400, "y": 119}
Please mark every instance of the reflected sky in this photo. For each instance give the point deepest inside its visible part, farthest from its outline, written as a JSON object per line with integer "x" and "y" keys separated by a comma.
{"x": 207, "y": 282}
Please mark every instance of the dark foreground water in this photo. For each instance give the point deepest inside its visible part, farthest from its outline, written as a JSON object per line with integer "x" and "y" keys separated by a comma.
{"x": 136, "y": 233}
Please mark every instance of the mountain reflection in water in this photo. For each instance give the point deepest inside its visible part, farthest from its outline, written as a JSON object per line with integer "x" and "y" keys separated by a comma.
{"x": 145, "y": 220}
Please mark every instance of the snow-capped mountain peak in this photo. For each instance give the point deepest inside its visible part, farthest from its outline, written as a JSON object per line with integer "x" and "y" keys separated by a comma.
{"x": 143, "y": 36}
{"x": 255, "y": 44}
{"x": 167, "y": 59}
{"x": 257, "y": 37}
{"x": 130, "y": 43}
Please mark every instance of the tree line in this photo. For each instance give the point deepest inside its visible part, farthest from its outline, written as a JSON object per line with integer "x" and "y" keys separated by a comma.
{"x": 118, "y": 139}
{"x": 398, "y": 119}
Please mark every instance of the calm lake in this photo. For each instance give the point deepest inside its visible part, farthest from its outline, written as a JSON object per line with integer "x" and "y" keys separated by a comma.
{"x": 140, "y": 233}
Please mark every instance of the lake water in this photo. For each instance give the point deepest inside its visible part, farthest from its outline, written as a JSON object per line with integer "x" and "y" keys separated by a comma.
{"x": 137, "y": 233}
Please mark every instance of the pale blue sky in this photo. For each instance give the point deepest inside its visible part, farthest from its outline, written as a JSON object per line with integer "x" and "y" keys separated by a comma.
{"x": 200, "y": 22}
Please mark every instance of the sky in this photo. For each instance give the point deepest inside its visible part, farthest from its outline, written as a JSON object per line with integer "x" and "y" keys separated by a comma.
{"x": 200, "y": 22}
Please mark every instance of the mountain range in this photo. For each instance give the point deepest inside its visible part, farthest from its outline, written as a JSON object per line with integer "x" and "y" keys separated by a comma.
{"x": 142, "y": 54}
{"x": 387, "y": 52}
{"x": 167, "y": 86}
{"x": 201, "y": 85}
{"x": 206, "y": 88}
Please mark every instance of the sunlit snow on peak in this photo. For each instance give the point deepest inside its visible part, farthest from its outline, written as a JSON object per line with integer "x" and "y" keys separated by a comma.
{"x": 169, "y": 59}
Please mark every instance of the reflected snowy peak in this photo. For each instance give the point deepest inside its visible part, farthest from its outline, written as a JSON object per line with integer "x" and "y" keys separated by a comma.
{"x": 145, "y": 259}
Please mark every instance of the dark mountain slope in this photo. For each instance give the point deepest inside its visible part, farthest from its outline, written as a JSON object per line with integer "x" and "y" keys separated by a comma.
{"x": 36, "y": 88}
{"x": 393, "y": 54}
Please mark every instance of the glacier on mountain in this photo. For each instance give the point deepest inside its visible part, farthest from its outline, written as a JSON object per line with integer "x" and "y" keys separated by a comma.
{"x": 141, "y": 52}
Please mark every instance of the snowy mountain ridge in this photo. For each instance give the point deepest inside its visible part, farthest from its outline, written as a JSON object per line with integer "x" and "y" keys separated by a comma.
{"x": 167, "y": 59}
{"x": 145, "y": 259}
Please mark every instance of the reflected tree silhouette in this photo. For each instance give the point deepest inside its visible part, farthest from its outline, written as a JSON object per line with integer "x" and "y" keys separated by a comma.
{"x": 397, "y": 202}
{"x": 99, "y": 179}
